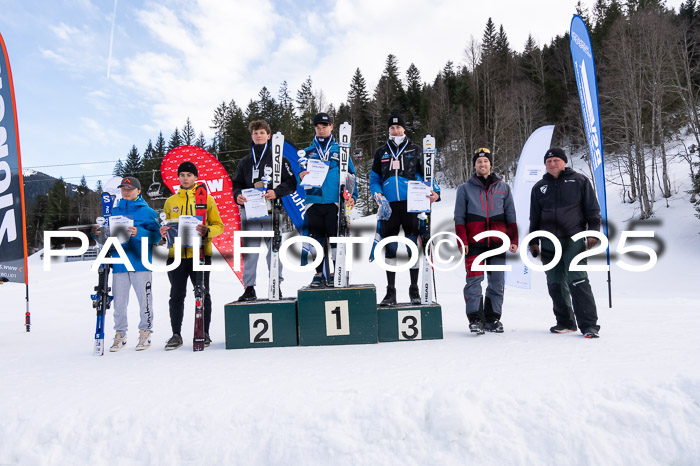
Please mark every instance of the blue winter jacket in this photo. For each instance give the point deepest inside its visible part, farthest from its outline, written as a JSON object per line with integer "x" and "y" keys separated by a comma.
{"x": 146, "y": 222}
{"x": 329, "y": 193}
{"x": 393, "y": 182}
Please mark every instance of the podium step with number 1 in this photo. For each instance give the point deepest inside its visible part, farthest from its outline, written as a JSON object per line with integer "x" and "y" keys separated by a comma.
{"x": 337, "y": 316}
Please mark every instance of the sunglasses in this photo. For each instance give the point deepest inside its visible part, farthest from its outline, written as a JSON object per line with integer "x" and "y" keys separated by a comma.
{"x": 483, "y": 150}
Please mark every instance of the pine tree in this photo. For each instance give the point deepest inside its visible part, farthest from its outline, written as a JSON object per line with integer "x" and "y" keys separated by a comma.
{"x": 287, "y": 117}
{"x": 132, "y": 166}
{"x": 389, "y": 92}
{"x": 201, "y": 141}
{"x": 80, "y": 202}
{"x": 306, "y": 105}
{"x": 188, "y": 133}
{"x": 414, "y": 87}
{"x": 175, "y": 140}
{"x": 488, "y": 40}
{"x": 118, "y": 168}
{"x": 219, "y": 125}
{"x": 267, "y": 108}
{"x": 58, "y": 208}
{"x": 150, "y": 167}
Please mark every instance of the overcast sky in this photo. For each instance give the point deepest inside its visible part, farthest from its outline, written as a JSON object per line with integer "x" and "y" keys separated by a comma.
{"x": 173, "y": 59}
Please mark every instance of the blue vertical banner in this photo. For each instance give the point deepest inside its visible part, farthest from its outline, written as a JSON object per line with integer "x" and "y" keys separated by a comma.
{"x": 582, "y": 55}
{"x": 13, "y": 238}
{"x": 584, "y": 67}
{"x": 294, "y": 203}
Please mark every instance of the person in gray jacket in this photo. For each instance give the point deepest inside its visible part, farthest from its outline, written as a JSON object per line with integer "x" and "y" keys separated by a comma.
{"x": 484, "y": 203}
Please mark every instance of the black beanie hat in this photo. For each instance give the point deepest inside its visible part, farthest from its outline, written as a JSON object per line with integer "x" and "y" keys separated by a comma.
{"x": 395, "y": 119}
{"x": 187, "y": 167}
{"x": 555, "y": 152}
{"x": 482, "y": 152}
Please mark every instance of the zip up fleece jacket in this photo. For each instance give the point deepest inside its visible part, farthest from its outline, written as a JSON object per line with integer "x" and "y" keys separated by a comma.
{"x": 393, "y": 183}
{"x": 329, "y": 193}
{"x": 481, "y": 207}
{"x": 563, "y": 206}
{"x": 182, "y": 203}
{"x": 146, "y": 223}
{"x": 244, "y": 174}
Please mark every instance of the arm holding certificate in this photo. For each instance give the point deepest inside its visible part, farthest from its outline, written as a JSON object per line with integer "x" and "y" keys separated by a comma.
{"x": 316, "y": 173}
{"x": 418, "y": 197}
{"x": 255, "y": 203}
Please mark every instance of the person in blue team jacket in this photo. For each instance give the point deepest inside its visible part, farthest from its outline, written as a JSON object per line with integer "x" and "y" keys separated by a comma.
{"x": 322, "y": 202}
{"x": 396, "y": 163}
{"x": 146, "y": 225}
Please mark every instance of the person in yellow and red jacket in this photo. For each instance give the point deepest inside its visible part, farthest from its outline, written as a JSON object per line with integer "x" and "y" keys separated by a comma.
{"x": 183, "y": 203}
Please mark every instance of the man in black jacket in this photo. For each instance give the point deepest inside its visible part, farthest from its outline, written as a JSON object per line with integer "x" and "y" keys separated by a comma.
{"x": 250, "y": 173}
{"x": 563, "y": 203}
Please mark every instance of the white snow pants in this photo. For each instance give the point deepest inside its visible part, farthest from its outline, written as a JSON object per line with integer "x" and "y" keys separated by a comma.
{"x": 121, "y": 286}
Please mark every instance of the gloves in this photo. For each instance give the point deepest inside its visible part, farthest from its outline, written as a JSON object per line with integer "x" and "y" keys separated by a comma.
{"x": 384, "y": 211}
{"x": 535, "y": 250}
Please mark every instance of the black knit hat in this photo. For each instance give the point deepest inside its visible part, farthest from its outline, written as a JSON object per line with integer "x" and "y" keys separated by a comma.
{"x": 188, "y": 167}
{"x": 395, "y": 119}
{"x": 482, "y": 152}
{"x": 555, "y": 152}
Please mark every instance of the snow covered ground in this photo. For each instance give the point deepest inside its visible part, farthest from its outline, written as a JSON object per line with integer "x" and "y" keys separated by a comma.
{"x": 522, "y": 397}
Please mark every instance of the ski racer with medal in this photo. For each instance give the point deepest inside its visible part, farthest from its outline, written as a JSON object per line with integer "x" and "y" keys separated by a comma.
{"x": 253, "y": 171}
{"x": 322, "y": 200}
{"x": 396, "y": 163}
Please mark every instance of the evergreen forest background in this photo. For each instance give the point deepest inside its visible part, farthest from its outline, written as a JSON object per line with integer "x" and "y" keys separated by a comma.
{"x": 648, "y": 70}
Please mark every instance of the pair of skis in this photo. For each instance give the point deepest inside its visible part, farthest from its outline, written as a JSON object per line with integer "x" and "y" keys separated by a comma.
{"x": 427, "y": 284}
{"x": 342, "y": 276}
{"x": 200, "y": 209}
{"x": 101, "y": 299}
{"x": 273, "y": 291}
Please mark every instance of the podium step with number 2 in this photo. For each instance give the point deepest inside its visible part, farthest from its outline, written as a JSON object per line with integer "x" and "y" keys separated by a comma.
{"x": 260, "y": 324}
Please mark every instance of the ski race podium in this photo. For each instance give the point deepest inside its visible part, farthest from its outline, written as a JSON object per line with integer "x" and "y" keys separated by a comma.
{"x": 261, "y": 323}
{"x": 328, "y": 316}
{"x": 407, "y": 322}
{"x": 337, "y": 316}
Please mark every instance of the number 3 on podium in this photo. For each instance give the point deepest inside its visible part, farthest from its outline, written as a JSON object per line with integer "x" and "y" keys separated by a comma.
{"x": 410, "y": 325}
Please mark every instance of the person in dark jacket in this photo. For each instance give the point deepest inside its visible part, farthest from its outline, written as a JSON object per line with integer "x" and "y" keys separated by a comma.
{"x": 396, "y": 163}
{"x": 250, "y": 173}
{"x": 484, "y": 203}
{"x": 563, "y": 203}
{"x": 145, "y": 225}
